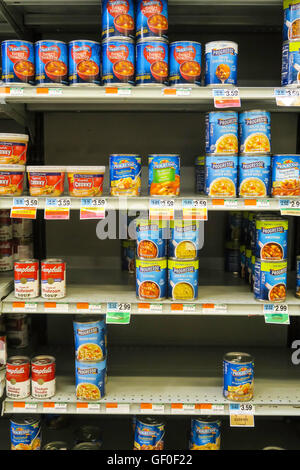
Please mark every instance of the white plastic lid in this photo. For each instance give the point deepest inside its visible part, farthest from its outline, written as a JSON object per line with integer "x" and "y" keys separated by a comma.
{"x": 45, "y": 169}
{"x": 209, "y": 46}
{"x": 12, "y": 167}
{"x": 14, "y": 136}
{"x": 85, "y": 169}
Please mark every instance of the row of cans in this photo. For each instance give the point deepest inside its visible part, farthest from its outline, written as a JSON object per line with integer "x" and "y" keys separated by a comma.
{"x": 248, "y": 175}
{"x": 27, "y": 282}
{"x": 291, "y": 20}
{"x": 37, "y": 375}
{"x": 228, "y": 132}
{"x": 290, "y": 70}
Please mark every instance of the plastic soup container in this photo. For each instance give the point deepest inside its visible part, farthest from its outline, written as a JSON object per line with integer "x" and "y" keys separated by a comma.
{"x": 85, "y": 181}
{"x": 46, "y": 180}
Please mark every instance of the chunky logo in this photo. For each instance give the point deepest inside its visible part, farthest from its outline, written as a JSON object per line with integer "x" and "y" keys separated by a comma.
{"x": 47, "y": 53}
{"x": 154, "y": 53}
{"x": 117, "y": 7}
{"x": 151, "y": 7}
{"x": 116, "y": 53}
{"x": 184, "y": 53}
{"x": 82, "y": 52}
{"x": 16, "y": 53}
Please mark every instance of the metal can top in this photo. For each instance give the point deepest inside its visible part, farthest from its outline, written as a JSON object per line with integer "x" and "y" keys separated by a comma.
{"x": 87, "y": 446}
{"x": 18, "y": 360}
{"x": 43, "y": 359}
{"x": 17, "y": 41}
{"x": 56, "y": 445}
{"x": 150, "y": 421}
{"x": 124, "y": 155}
{"x": 54, "y": 41}
{"x": 84, "y": 319}
{"x": 286, "y": 155}
{"x": 210, "y": 45}
{"x": 26, "y": 260}
{"x": 208, "y": 420}
{"x": 238, "y": 358}
{"x": 155, "y": 39}
{"x": 185, "y": 42}
{"x": 25, "y": 419}
{"x": 184, "y": 260}
{"x": 83, "y": 40}
{"x": 118, "y": 38}
{"x": 222, "y": 155}
{"x": 163, "y": 155}
{"x": 53, "y": 260}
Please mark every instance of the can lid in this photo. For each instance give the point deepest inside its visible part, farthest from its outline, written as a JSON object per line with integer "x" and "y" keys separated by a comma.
{"x": 25, "y": 419}
{"x": 209, "y": 46}
{"x": 84, "y": 40}
{"x": 87, "y": 446}
{"x": 53, "y": 41}
{"x": 207, "y": 419}
{"x": 118, "y": 38}
{"x": 18, "y": 360}
{"x": 45, "y": 169}
{"x": 53, "y": 260}
{"x": 14, "y": 136}
{"x": 43, "y": 359}
{"x": 88, "y": 318}
{"x": 16, "y": 168}
{"x": 85, "y": 169}
{"x": 184, "y": 42}
{"x": 153, "y": 39}
{"x": 149, "y": 421}
{"x": 56, "y": 445}
{"x": 238, "y": 357}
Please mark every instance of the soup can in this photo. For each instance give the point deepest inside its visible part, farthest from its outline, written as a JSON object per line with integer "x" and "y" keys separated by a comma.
{"x": 152, "y": 62}
{"x": 25, "y": 433}
{"x": 125, "y": 174}
{"x": 298, "y": 276}
{"x": 255, "y": 132}
{"x": 90, "y": 380}
{"x": 185, "y": 63}
{"x": 285, "y": 175}
{"x": 270, "y": 280}
{"x": 221, "y": 63}
{"x": 221, "y": 135}
{"x": 238, "y": 373}
{"x": 184, "y": 242}
{"x": 17, "y": 330}
{"x": 164, "y": 175}
{"x": 151, "y": 18}
{"x": 26, "y": 274}
{"x": 286, "y": 18}
{"x": 293, "y": 24}
{"x": 17, "y": 62}
{"x": 205, "y": 434}
{"x": 118, "y": 18}
{"x": 53, "y": 278}
{"x": 51, "y": 63}
{"x": 151, "y": 279}
{"x": 149, "y": 434}
{"x": 199, "y": 174}
{"x": 118, "y": 61}
{"x": 221, "y": 173}
{"x": 151, "y": 240}
{"x": 90, "y": 338}
{"x": 271, "y": 239}
{"x": 84, "y": 62}
{"x": 128, "y": 249}
{"x": 43, "y": 382}
{"x": 233, "y": 257}
{"x": 290, "y": 69}
{"x": 18, "y": 377}
{"x": 183, "y": 279}
{"x": 254, "y": 175}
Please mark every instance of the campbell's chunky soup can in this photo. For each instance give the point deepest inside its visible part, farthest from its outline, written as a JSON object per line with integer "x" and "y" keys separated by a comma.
{"x": 151, "y": 18}
{"x": 26, "y": 273}
{"x": 285, "y": 175}
{"x": 118, "y": 18}
{"x": 164, "y": 175}
{"x": 150, "y": 239}
{"x": 90, "y": 338}
{"x": 270, "y": 280}
{"x": 118, "y": 61}
{"x": 43, "y": 377}
{"x": 152, "y": 62}
{"x": 221, "y": 174}
{"x": 51, "y": 63}
{"x": 221, "y": 136}
{"x": 254, "y": 175}
{"x": 53, "y": 278}
{"x": 18, "y": 377}
{"x": 255, "y": 132}
{"x": 84, "y": 62}
{"x": 25, "y": 433}
{"x": 185, "y": 63}
{"x": 238, "y": 375}
{"x": 90, "y": 378}
{"x": 46, "y": 180}
{"x": 221, "y": 63}
{"x": 151, "y": 279}
{"x": 271, "y": 238}
{"x": 290, "y": 69}
{"x": 205, "y": 434}
{"x": 13, "y": 149}
{"x": 11, "y": 180}
{"x": 17, "y": 62}
{"x": 149, "y": 434}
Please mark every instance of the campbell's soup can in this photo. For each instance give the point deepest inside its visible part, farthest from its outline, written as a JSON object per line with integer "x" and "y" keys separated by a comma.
{"x": 151, "y": 18}
{"x": 25, "y": 433}
{"x": 152, "y": 62}
{"x": 51, "y": 63}
{"x": 26, "y": 272}
{"x": 118, "y": 61}
{"x": 185, "y": 63}
{"x": 18, "y": 377}
{"x": 53, "y": 278}
{"x": 118, "y": 18}
{"x": 43, "y": 376}
{"x": 6, "y": 256}
{"x": 17, "y": 330}
{"x": 23, "y": 248}
{"x": 84, "y": 62}
{"x": 17, "y": 62}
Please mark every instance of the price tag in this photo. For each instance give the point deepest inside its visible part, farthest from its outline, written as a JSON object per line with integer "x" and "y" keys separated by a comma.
{"x": 183, "y": 308}
{"x": 16, "y": 91}
{"x": 85, "y": 307}
{"x": 117, "y": 408}
{"x": 118, "y": 91}
{"x": 161, "y": 209}
{"x": 27, "y": 307}
{"x": 49, "y": 91}
{"x": 241, "y": 415}
{"x": 177, "y": 91}
{"x": 227, "y": 98}
{"x": 53, "y": 307}
{"x": 230, "y": 202}
{"x": 118, "y": 313}
{"x": 289, "y": 206}
{"x": 209, "y": 409}
{"x": 87, "y": 407}
{"x": 182, "y": 408}
{"x": 150, "y": 308}
{"x": 152, "y": 408}
{"x": 263, "y": 203}
{"x": 287, "y": 96}
{"x": 24, "y": 208}
{"x": 214, "y": 309}
{"x": 20, "y": 406}
{"x": 276, "y": 313}
{"x": 194, "y": 209}
{"x": 57, "y": 208}
{"x": 92, "y": 208}
{"x": 50, "y": 407}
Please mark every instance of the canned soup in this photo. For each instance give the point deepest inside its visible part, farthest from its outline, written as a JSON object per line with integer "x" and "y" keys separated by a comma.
{"x": 164, "y": 175}
{"x": 183, "y": 279}
{"x": 286, "y": 175}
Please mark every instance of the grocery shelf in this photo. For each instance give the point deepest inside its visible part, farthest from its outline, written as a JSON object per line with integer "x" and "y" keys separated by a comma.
{"x": 6, "y": 284}
{"x": 189, "y": 376}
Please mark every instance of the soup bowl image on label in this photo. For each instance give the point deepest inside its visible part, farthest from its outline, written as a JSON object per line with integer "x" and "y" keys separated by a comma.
{"x": 17, "y": 62}
{"x": 84, "y": 62}
{"x": 151, "y": 18}
{"x": 118, "y": 61}
{"x": 185, "y": 63}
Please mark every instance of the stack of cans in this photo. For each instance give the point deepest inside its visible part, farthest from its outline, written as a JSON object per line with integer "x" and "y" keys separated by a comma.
{"x": 290, "y": 72}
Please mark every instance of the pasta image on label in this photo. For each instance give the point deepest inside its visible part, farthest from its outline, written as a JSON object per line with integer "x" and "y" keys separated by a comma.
{"x": 13, "y": 149}
{"x": 184, "y": 242}
{"x": 205, "y": 434}
{"x": 185, "y": 63}
{"x": 90, "y": 338}
{"x": 271, "y": 239}
{"x": 125, "y": 175}
{"x": 151, "y": 18}
{"x": 25, "y": 433}
{"x": 255, "y": 132}
{"x": 221, "y": 135}
{"x": 221, "y": 63}
{"x": 17, "y": 62}
{"x": 148, "y": 434}
{"x": 118, "y": 18}
{"x": 221, "y": 176}
{"x": 164, "y": 175}
{"x": 293, "y": 24}
{"x": 285, "y": 175}
{"x": 11, "y": 180}
{"x": 183, "y": 279}
{"x": 238, "y": 374}
{"x": 254, "y": 175}
{"x": 270, "y": 280}
{"x": 151, "y": 241}
{"x": 84, "y": 62}
{"x": 51, "y": 63}
{"x": 151, "y": 279}
{"x": 90, "y": 378}
{"x": 118, "y": 61}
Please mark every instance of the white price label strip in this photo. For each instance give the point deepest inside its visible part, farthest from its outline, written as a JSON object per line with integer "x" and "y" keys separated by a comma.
{"x": 152, "y": 408}
{"x": 182, "y": 408}
{"x": 85, "y": 307}
{"x": 20, "y": 406}
{"x": 287, "y": 96}
{"x": 183, "y": 308}
{"x": 27, "y": 307}
{"x": 212, "y": 409}
{"x": 87, "y": 407}
{"x": 150, "y": 308}
{"x": 117, "y": 408}
{"x": 50, "y": 407}
{"x": 212, "y": 308}
{"x": 226, "y": 98}
{"x": 53, "y": 307}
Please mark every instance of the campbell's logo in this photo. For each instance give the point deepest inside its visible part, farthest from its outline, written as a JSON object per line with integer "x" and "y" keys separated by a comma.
{"x": 15, "y": 369}
{"x": 54, "y": 269}
{"x": 184, "y": 53}
{"x": 151, "y": 7}
{"x": 154, "y": 53}
{"x": 42, "y": 371}
{"x": 117, "y": 7}
{"x": 16, "y": 53}
{"x": 225, "y": 50}
{"x": 116, "y": 53}
{"x": 82, "y": 52}
{"x": 47, "y": 53}
{"x": 25, "y": 269}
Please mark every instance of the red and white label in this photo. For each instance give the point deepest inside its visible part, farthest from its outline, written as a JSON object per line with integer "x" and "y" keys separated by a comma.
{"x": 53, "y": 278}
{"x": 154, "y": 53}
{"x": 47, "y": 53}
{"x": 43, "y": 379}
{"x": 117, "y": 7}
{"x": 116, "y": 53}
{"x": 151, "y": 7}
{"x": 18, "y": 380}
{"x": 16, "y": 53}
{"x": 26, "y": 279}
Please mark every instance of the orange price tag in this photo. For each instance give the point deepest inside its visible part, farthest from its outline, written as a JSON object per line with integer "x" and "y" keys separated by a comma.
{"x": 82, "y": 306}
{"x": 218, "y": 202}
{"x": 42, "y": 91}
{"x": 250, "y": 202}
{"x": 111, "y": 91}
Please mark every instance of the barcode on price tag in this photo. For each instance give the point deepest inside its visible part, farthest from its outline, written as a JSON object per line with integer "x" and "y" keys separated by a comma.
{"x": 241, "y": 415}
{"x": 152, "y": 408}
{"x": 50, "y": 407}
{"x": 182, "y": 408}
{"x": 87, "y": 407}
{"x": 227, "y": 98}
{"x": 117, "y": 408}
{"x": 150, "y": 308}
{"x": 287, "y": 96}
{"x": 86, "y": 307}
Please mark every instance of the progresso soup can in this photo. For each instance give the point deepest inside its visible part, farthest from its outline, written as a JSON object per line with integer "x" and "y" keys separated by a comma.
{"x": 151, "y": 279}
{"x": 118, "y": 18}
{"x": 254, "y": 175}
{"x": 184, "y": 242}
{"x": 51, "y": 63}
{"x": 298, "y": 276}
{"x": 152, "y": 62}
{"x": 255, "y": 132}
{"x": 17, "y": 62}
{"x": 150, "y": 239}
{"x": 183, "y": 279}
{"x": 285, "y": 175}
{"x": 90, "y": 378}
{"x": 151, "y": 18}
{"x": 164, "y": 175}
{"x": 221, "y": 63}
{"x": 118, "y": 61}
{"x": 90, "y": 338}
{"x": 271, "y": 239}
{"x": 185, "y": 63}
{"x": 25, "y": 433}
{"x": 125, "y": 175}
{"x": 270, "y": 280}
{"x": 286, "y": 19}
{"x": 238, "y": 375}
{"x": 293, "y": 23}
{"x": 205, "y": 434}
{"x": 221, "y": 135}
{"x": 149, "y": 434}
{"x": 290, "y": 70}
{"x": 221, "y": 175}
{"x": 84, "y": 62}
